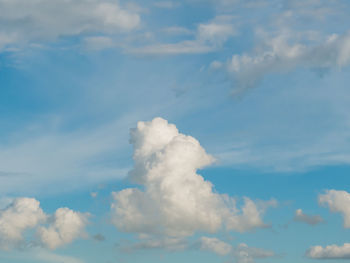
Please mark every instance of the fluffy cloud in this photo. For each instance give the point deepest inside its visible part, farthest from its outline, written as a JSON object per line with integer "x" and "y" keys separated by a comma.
{"x": 31, "y": 21}
{"x": 242, "y": 253}
{"x": 277, "y": 55}
{"x": 22, "y": 214}
{"x": 338, "y": 202}
{"x": 25, "y": 213}
{"x": 308, "y": 219}
{"x": 329, "y": 252}
{"x": 67, "y": 225}
{"x": 175, "y": 200}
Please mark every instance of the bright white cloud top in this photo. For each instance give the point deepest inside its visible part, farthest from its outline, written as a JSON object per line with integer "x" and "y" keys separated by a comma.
{"x": 338, "y": 202}
{"x": 25, "y": 213}
{"x": 22, "y": 214}
{"x": 176, "y": 201}
{"x": 67, "y": 225}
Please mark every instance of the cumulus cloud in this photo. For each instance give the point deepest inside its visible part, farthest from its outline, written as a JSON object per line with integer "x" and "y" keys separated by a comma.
{"x": 25, "y": 213}
{"x": 338, "y": 202}
{"x": 25, "y": 22}
{"x": 329, "y": 252}
{"x": 300, "y": 216}
{"x": 22, "y": 214}
{"x": 277, "y": 55}
{"x": 175, "y": 201}
{"x": 241, "y": 253}
{"x": 66, "y": 226}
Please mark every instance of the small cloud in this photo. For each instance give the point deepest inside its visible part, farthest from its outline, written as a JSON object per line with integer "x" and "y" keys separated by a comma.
{"x": 93, "y": 194}
{"x": 308, "y": 219}
{"x": 215, "y": 65}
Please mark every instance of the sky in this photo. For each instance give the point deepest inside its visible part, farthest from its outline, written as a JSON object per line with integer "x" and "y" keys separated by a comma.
{"x": 174, "y": 131}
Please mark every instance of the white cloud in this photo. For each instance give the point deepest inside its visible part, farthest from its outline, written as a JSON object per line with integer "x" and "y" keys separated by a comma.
{"x": 176, "y": 201}
{"x": 300, "y": 216}
{"x": 67, "y": 226}
{"x": 241, "y": 253}
{"x": 208, "y": 38}
{"x": 279, "y": 56}
{"x": 25, "y": 22}
{"x": 329, "y": 252}
{"x": 25, "y": 213}
{"x": 338, "y": 202}
{"x": 215, "y": 245}
{"x": 245, "y": 254}
{"x": 22, "y": 214}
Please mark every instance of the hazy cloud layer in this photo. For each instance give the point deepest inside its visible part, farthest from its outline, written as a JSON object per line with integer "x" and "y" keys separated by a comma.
{"x": 23, "y": 22}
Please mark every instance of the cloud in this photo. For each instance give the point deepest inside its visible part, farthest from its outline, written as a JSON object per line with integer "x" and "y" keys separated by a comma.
{"x": 49, "y": 257}
{"x": 175, "y": 200}
{"x": 308, "y": 219}
{"x": 30, "y": 160}
{"x": 24, "y": 22}
{"x": 208, "y": 38}
{"x": 147, "y": 242}
{"x": 25, "y": 213}
{"x": 329, "y": 252}
{"x": 279, "y": 56}
{"x": 338, "y": 202}
{"x": 241, "y": 253}
{"x": 215, "y": 245}
{"x": 22, "y": 214}
{"x": 245, "y": 254}
{"x": 66, "y": 226}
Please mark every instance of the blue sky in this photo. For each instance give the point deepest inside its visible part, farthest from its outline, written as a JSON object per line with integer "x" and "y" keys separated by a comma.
{"x": 195, "y": 130}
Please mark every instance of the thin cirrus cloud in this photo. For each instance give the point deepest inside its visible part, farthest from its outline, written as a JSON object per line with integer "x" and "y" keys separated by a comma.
{"x": 25, "y": 22}
{"x": 25, "y": 213}
{"x": 176, "y": 201}
{"x": 208, "y": 38}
